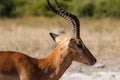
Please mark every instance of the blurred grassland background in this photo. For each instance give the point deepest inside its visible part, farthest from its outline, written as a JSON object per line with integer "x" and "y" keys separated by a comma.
{"x": 89, "y": 8}
{"x": 25, "y": 27}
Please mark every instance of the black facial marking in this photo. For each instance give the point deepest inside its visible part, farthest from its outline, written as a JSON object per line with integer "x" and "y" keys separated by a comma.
{"x": 80, "y": 46}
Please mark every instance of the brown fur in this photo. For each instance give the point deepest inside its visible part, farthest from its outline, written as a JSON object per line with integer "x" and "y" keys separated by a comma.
{"x": 18, "y": 66}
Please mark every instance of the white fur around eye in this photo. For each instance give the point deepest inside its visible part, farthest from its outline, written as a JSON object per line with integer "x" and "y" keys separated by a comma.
{"x": 67, "y": 44}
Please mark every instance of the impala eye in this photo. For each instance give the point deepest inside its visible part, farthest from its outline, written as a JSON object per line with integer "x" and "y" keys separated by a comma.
{"x": 80, "y": 46}
{"x": 72, "y": 41}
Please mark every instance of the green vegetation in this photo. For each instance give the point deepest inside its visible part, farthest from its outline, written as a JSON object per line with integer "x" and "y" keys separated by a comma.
{"x": 84, "y": 8}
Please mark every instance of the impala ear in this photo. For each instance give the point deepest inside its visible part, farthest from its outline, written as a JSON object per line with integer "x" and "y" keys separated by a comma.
{"x": 54, "y": 37}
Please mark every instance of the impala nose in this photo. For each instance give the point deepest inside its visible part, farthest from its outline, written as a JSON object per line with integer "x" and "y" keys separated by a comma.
{"x": 92, "y": 61}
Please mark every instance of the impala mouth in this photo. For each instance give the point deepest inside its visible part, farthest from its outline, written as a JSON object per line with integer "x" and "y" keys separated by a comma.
{"x": 89, "y": 64}
{"x": 92, "y": 62}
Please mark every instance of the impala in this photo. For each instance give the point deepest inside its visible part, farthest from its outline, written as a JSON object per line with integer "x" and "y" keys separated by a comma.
{"x": 18, "y": 66}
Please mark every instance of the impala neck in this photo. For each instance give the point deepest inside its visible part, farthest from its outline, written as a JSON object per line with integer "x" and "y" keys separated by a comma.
{"x": 57, "y": 62}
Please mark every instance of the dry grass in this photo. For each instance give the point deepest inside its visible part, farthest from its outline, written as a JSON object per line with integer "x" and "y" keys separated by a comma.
{"x": 31, "y": 36}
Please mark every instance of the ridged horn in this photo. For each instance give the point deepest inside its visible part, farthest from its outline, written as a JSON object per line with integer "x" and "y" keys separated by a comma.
{"x": 72, "y": 19}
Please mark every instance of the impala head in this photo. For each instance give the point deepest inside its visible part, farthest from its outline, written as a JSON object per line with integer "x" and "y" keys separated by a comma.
{"x": 74, "y": 44}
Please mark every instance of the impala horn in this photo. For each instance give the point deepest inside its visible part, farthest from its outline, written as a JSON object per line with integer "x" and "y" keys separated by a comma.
{"x": 72, "y": 19}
